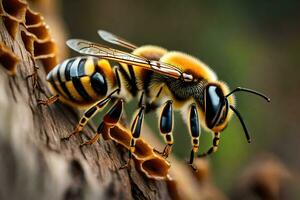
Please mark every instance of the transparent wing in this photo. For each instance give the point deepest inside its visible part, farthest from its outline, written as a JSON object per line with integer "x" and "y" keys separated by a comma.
{"x": 99, "y": 50}
{"x": 111, "y": 38}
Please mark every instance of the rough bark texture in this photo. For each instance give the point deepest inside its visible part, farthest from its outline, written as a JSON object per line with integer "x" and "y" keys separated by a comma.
{"x": 36, "y": 164}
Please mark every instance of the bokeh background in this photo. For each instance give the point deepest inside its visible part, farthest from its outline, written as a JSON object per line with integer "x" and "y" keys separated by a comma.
{"x": 254, "y": 44}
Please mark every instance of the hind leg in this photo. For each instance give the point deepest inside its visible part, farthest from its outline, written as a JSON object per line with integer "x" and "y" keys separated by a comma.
{"x": 92, "y": 111}
{"x": 110, "y": 119}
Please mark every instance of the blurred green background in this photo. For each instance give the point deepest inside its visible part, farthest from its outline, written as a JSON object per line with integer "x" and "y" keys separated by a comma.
{"x": 254, "y": 44}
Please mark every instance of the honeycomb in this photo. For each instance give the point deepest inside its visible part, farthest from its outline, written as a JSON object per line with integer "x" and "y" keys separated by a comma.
{"x": 35, "y": 34}
{"x": 148, "y": 162}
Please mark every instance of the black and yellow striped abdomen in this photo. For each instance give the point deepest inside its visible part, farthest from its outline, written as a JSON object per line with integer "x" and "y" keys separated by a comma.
{"x": 81, "y": 81}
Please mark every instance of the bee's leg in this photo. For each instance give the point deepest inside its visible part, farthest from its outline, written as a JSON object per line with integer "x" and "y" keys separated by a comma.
{"x": 195, "y": 132}
{"x": 92, "y": 111}
{"x": 34, "y": 75}
{"x": 136, "y": 127}
{"x": 136, "y": 131}
{"x": 118, "y": 79}
{"x": 48, "y": 101}
{"x": 96, "y": 136}
{"x": 166, "y": 127}
{"x": 214, "y": 148}
{"x": 111, "y": 118}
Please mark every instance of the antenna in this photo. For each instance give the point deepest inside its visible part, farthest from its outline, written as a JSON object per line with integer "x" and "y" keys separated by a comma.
{"x": 242, "y": 122}
{"x": 240, "y": 89}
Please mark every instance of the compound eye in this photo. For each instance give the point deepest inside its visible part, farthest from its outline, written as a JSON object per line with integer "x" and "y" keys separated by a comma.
{"x": 223, "y": 114}
{"x": 214, "y": 101}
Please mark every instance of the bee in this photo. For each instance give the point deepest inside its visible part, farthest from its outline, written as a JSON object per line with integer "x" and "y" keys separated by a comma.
{"x": 164, "y": 81}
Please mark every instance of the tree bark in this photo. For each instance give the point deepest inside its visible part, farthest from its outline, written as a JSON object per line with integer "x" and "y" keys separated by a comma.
{"x": 36, "y": 164}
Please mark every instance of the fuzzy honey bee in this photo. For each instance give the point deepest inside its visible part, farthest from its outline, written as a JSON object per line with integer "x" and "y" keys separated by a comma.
{"x": 163, "y": 80}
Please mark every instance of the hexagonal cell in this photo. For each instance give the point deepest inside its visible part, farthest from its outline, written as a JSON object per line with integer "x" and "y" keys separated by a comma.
{"x": 33, "y": 19}
{"x": 28, "y": 40}
{"x": 143, "y": 149}
{"x": 155, "y": 168}
{"x": 8, "y": 59}
{"x": 40, "y": 32}
{"x": 44, "y": 49}
{"x": 11, "y": 26}
{"x": 15, "y": 9}
{"x": 151, "y": 164}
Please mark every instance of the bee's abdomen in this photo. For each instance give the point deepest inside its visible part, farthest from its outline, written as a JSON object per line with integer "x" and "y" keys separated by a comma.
{"x": 79, "y": 80}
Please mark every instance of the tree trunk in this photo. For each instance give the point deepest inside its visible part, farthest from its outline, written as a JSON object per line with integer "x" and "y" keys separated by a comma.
{"x": 35, "y": 163}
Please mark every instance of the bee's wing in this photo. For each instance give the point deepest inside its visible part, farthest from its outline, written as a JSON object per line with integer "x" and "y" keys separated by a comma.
{"x": 99, "y": 50}
{"x": 111, "y": 38}
{"x": 94, "y": 49}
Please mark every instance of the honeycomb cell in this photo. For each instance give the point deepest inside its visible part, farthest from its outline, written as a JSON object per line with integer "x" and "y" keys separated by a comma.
{"x": 155, "y": 168}
{"x": 11, "y": 26}
{"x": 28, "y": 41}
{"x": 8, "y": 59}
{"x": 40, "y": 32}
{"x": 151, "y": 164}
{"x": 15, "y": 9}
{"x": 33, "y": 19}
{"x": 44, "y": 50}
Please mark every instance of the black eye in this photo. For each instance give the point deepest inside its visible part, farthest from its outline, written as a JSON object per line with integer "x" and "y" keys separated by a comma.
{"x": 214, "y": 101}
{"x": 224, "y": 113}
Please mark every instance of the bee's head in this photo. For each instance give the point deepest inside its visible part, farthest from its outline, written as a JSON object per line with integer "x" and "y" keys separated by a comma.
{"x": 219, "y": 105}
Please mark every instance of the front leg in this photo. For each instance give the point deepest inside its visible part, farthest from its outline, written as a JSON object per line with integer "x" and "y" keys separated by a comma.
{"x": 49, "y": 101}
{"x": 136, "y": 128}
{"x": 166, "y": 127}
